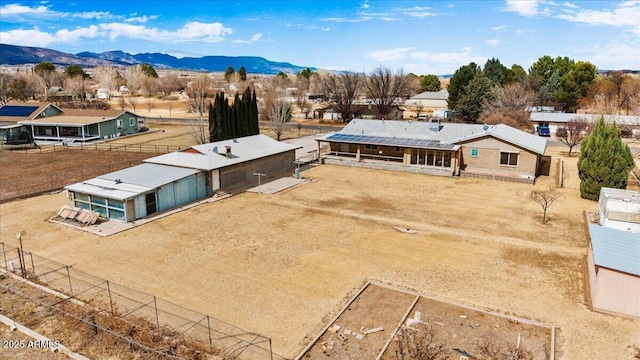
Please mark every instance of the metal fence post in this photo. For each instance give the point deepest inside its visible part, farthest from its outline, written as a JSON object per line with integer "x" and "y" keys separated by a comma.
{"x": 209, "y": 329}
{"x": 155, "y": 304}
{"x": 110, "y": 299}
{"x": 33, "y": 267}
{"x": 69, "y": 277}
{"x": 4, "y": 254}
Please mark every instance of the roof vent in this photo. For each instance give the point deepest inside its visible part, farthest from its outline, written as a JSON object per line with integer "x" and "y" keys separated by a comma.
{"x": 235, "y": 140}
{"x": 118, "y": 181}
{"x": 485, "y": 127}
{"x": 227, "y": 151}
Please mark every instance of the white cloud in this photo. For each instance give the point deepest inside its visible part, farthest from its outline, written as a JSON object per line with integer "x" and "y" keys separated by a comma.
{"x": 418, "y": 12}
{"x": 97, "y": 15}
{"x": 612, "y": 56}
{"x": 626, "y": 15}
{"x": 524, "y": 8}
{"x": 207, "y": 32}
{"x": 499, "y": 28}
{"x": 17, "y": 9}
{"x": 347, "y": 20}
{"x": 141, "y": 19}
{"x": 365, "y": 5}
{"x": 493, "y": 42}
{"x": 570, "y": 5}
{"x": 253, "y": 39}
{"x": 390, "y": 54}
{"x": 35, "y": 37}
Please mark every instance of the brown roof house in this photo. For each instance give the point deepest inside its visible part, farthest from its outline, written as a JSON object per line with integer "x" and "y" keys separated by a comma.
{"x": 445, "y": 149}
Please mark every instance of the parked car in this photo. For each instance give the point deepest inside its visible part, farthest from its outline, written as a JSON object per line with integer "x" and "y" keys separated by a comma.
{"x": 544, "y": 131}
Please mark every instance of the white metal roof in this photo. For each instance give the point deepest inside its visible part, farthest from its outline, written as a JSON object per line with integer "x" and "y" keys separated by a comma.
{"x": 555, "y": 117}
{"x": 212, "y": 155}
{"x": 449, "y": 133}
{"x": 131, "y": 182}
{"x": 615, "y": 249}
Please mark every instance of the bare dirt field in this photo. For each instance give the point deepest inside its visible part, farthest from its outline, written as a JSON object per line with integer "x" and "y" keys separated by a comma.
{"x": 284, "y": 264}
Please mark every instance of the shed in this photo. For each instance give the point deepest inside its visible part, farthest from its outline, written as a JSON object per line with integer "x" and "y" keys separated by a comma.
{"x": 620, "y": 209}
{"x": 614, "y": 270}
{"x": 138, "y": 191}
{"x": 231, "y": 163}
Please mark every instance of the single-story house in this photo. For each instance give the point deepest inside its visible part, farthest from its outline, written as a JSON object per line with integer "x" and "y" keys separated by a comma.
{"x": 14, "y": 133}
{"x": 445, "y": 149}
{"x": 363, "y": 112}
{"x": 83, "y": 127}
{"x": 232, "y": 163}
{"x": 620, "y": 209}
{"x": 429, "y": 100}
{"x": 555, "y": 120}
{"x": 170, "y": 180}
{"x": 614, "y": 270}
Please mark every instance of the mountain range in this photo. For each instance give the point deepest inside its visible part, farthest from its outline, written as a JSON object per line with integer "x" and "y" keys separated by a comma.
{"x": 19, "y": 55}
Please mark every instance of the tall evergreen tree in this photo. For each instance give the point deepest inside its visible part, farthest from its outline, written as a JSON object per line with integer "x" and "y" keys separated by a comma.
{"x": 242, "y": 72}
{"x": 604, "y": 161}
{"x": 459, "y": 81}
{"x": 233, "y": 121}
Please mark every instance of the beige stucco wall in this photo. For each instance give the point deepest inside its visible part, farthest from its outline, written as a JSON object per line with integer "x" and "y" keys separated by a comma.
{"x": 617, "y": 292}
{"x": 488, "y": 158}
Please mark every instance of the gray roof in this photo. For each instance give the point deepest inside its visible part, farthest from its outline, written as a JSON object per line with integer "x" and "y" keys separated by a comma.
{"x": 448, "y": 134}
{"x": 554, "y": 117}
{"x": 615, "y": 249}
{"x": 132, "y": 181}
{"x": 432, "y": 95}
{"x": 211, "y": 156}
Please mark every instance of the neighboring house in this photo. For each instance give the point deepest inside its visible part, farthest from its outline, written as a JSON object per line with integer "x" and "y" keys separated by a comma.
{"x": 429, "y": 100}
{"x": 363, "y": 112}
{"x": 555, "y": 120}
{"x": 613, "y": 259}
{"x": 14, "y": 133}
{"x": 167, "y": 181}
{"x": 620, "y": 209}
{"x": 232, "y": 163}
{"x": 83, "y": 127}
{"x": 445, "y": 149}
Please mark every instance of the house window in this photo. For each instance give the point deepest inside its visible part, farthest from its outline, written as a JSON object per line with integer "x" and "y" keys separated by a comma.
{"x": 371, "y": 147}
{"x": 508, "y": 158}
{"x": 119, "y": 123}
{"x": 399, "y": 149}
{"x": 132, "y": 121}
{"x": 474, "y": 152}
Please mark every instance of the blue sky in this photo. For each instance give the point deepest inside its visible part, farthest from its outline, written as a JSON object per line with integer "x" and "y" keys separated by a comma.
{"x": 423, "y": 37}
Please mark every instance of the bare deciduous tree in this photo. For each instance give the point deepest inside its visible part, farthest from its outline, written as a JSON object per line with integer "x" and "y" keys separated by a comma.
{"x": 420, "y": 343}
{"x": 133, "y": 101}
{"x": 276, "y": 109}
{"x": 106, "y": 76}
{"x": 302, "y": 102}
{"x": 573, "y": 132}
{"x": 76, "y": 86}
{"x": 384, "y": 86}
{"x": 492, "y": 349}
{"x": 134, "y": 76}
{"x": 199, "y": 131}
{"x": 199, "y": 90}
{"x": 545, "y": 198}
{"x": 169, "y": 83}
{"x": 341, "y": 91}
{"x": 508, "y": 105}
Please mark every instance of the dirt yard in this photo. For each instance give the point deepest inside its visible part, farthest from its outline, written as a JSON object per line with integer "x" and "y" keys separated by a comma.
{"x": 283, "y": 265}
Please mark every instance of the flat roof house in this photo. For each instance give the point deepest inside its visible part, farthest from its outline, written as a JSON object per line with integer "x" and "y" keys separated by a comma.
{"x": 171, "y": 180}
{"x": 445, "y": 149}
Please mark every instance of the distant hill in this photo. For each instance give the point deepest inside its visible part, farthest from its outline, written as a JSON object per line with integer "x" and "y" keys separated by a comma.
{"x": 18, "y": 55}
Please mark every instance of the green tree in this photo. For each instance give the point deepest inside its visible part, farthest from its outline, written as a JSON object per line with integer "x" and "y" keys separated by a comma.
{"x": 495, "y": 71}
{"x": 574, "y": 85}
{"x": 459, "y": 81}
{"x": 429, "y": 83}
{"x": 604, "y": 161}
{"x": 148, "y": 70}
{"x": 75, "y": 70}
{"x": 305, "y": 75}
{"x": 471, "y": 102}
{"x": 242, "y": 72}
{"x": 233, "y": 121}
{"x": 228, "y": 73}
{"x": 44, "y": 67}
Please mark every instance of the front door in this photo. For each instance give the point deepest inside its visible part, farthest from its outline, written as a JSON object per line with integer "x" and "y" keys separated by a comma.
{"x": 151, "y": 203}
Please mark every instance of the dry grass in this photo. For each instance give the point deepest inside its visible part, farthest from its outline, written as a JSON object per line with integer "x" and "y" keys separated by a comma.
{"x": 282, "y": 264}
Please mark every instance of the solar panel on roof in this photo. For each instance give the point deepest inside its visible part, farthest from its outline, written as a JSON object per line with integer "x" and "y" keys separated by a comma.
{"x": 17, "y": 110}
{"x": 381, "y": 140}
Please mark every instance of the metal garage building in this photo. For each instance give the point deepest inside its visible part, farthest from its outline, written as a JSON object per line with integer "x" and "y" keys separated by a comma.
{"x": 138, "y": 191}
{"x": 178, "y": 178}
{"x": 614, "y": 270}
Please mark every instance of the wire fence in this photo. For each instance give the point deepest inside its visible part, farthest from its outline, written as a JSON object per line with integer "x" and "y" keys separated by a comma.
{"x": 129, "y": 306}
{"x": 34, "y": 185}
{"x": 105, "y": 146}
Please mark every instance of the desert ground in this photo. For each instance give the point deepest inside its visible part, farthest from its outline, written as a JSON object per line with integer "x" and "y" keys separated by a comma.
{"x": 282, "y": 265}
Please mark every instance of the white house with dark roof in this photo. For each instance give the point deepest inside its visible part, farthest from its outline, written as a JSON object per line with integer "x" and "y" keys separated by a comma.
{"x": 446, "y": 149}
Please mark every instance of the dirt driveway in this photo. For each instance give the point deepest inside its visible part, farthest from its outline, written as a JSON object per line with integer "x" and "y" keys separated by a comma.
{"x": 284, "y": 264}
